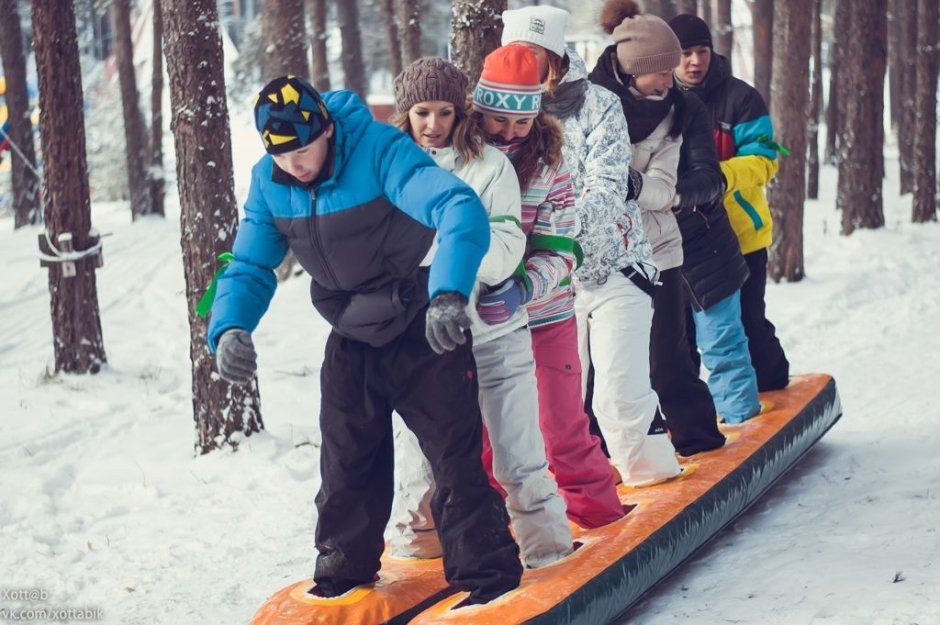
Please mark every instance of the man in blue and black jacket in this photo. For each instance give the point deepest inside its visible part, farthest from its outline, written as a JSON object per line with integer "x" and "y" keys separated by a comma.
{"x": 361, "y": 206}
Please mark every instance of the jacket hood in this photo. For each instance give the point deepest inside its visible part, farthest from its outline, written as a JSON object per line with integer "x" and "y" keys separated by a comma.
{"x": 351, "y": 118}
{"x": 577, "y": 69}
{"x": 719, "y": 71}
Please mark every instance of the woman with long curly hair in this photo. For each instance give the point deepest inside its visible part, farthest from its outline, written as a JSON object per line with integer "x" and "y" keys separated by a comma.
{"x": 533, "y": 142}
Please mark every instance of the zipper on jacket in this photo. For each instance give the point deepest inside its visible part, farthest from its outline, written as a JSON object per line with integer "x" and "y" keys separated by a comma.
{"x": 314, "y": 236}
{"x": 691, "y": 291}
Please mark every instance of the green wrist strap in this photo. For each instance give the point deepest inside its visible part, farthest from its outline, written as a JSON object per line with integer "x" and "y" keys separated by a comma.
{"x": 205, "y": 302}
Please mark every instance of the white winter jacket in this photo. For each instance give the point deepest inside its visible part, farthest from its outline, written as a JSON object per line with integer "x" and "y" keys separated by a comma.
{"x": 657, "y": 159}
{"x": 494, "y": 179}
{"x": 597, "y": 150}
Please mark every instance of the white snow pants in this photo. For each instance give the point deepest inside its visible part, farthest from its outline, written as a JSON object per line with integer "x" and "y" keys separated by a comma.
{"x": 509, "y": 403}
{"x": 614, "y": 322}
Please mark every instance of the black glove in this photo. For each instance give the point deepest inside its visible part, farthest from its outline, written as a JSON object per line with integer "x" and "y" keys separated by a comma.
{"x": 447, "y": 320}
{"x": 235, "y": 356}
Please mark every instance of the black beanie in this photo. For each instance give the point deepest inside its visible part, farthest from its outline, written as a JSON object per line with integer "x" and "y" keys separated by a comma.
{"x": 691, "y": 30}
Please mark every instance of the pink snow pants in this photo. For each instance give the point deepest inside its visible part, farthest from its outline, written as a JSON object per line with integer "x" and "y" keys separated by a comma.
{"x": 581, "y": 469}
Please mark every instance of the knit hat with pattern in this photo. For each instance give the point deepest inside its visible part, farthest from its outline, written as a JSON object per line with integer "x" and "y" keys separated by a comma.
{"x": 509, "y": 83}
{"x": 430, "y": 79}
{"x": 289, "y": 114}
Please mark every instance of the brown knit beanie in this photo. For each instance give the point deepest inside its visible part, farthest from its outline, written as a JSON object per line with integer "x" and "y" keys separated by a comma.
{"x": 645, "y": 43}
{"x": 428, "y": 79}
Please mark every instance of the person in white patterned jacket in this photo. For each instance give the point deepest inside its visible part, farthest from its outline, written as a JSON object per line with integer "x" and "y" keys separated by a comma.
{"x": 614, "y": 284}
{"x": 533, "y": 140}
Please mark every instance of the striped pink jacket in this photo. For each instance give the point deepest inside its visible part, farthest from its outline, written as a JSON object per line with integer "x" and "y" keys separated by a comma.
{"x": 551, "y": 223}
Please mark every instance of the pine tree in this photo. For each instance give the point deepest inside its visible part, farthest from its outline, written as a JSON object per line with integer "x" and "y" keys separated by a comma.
{"x": 76, "y": 322}
{"x": 26, "y": 207}
{"x": 209, "y": 217}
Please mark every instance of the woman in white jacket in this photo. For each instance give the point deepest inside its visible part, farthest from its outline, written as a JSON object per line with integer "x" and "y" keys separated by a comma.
{"x": 615, "y": 283}
{"x": 431, "y": 107}
{"x": 638, "y": 68}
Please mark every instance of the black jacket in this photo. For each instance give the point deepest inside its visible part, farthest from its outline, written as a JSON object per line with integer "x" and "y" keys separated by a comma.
{"x": 713, "y": 266}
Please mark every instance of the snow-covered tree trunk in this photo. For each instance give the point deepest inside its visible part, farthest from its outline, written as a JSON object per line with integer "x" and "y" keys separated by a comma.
{"x": 790, "y": 93}
{"x": 26, "y": 208}
{"x": 925, "y": 114}
{"x": 223, "y": 412}
{"x": 347, "y": 13}
{"x": 136, "y": 150}
{"x": 409, "y": 20}
{"x": 815, "y": 105}
{"x": 157, "y": 175}
{"x": 861, "y": 130}
{"x": 477, "y": 28}
{"x": 285, "y": 39}
{"x": 321, "y": 68}
{"x": 76, "y": 322}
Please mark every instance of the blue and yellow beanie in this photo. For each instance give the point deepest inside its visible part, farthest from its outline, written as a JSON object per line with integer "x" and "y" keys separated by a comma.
{"x": 289, "y": 114}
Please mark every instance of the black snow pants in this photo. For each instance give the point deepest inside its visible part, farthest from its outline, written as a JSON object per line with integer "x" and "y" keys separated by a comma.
{"x": 437, "y": 397}
{"x": 684, "y": 397}
{"x": 767, "y": 357}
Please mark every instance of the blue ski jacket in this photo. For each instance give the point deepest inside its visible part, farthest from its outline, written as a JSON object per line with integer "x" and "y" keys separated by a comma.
{"x": 363, "y": 233}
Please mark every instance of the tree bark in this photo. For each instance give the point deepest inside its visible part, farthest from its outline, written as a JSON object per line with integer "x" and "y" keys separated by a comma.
{"x": 477, "y": 28}
{"x": 894, "y": 62}
{"x": 666, "y": 9}
{"x": 723, "y": 30}
{"x": 815, "y": 105}
{"x": 861, "y": 131}
{"x": 409, "y": 21}
{"x": 76, "y": 322}
{"x": 285, "y": 39}
{"x": 762, "y": 16}
{"x": 354, "y": 69}
{"x": 833, "y": 112}
{"x": 25, "y": 187}
{"x": 707, "y": 14}
{"x": 223, "y": 412}
{"x": 790, "y": 94}
{"x": 157, "y": 173}
{"x": 389, "y": 15}
{"x": 321, "y": 67}
{"x": 925, "y": 114}
{"x": 687, "y": 6}
{"x": 907, "y": 36}
{"x": 136, "y": 150}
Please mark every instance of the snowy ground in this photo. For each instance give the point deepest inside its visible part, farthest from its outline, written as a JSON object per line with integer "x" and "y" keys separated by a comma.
{"x": 103, "y": 504}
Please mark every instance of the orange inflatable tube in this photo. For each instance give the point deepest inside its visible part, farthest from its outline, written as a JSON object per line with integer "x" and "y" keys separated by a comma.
{"x": 614, "y": 565}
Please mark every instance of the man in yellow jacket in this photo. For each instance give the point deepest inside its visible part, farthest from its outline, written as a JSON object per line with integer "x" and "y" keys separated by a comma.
{"x": 743, "y": 136}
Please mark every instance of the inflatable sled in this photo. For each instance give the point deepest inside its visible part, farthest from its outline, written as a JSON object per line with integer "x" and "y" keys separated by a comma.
{"x": 616, "y": 564}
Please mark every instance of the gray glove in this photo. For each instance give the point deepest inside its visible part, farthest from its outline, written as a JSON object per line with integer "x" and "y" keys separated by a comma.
{"x": 447, "y": 320}
{"x": 235, "y": 356}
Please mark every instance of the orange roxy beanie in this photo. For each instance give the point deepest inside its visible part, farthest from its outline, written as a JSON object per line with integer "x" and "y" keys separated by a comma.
{"x": 509, "y": 83}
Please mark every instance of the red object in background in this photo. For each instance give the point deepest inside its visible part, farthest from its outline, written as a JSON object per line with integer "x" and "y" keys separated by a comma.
{"x": 381, "y": 112}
